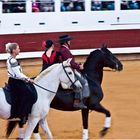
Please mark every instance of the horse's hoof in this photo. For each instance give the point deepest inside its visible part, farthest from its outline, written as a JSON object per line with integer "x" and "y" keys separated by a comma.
{"x": 103, "y": 132}
{"x": 86, "y": 139}
{"x": 19, "y": 138}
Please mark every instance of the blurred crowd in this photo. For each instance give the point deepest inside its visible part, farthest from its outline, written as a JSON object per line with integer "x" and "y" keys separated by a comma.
{"x": 72, "y": 5}
{"x": 97, "y": 5}
{"x": 130, "y": 4}
{"x": 12, "y": 6}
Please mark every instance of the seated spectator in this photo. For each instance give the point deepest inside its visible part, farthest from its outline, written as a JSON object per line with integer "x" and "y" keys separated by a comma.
{"x": 133, "y": 4}
{"x": 18, "y": 6}
{"x": 78, "y": 5}
{"x": 72, "y": 5}
{"x": 63, "y": 8}
{"x": 124, "y": 5}
{"x": 35, "y": 6}
{"x": 66, "y": 5}
{"x": 6, "y": 6}
{"x": 96, "y": 5}
{"x": 110, "y": 5}
{"x": 46, "y": 6}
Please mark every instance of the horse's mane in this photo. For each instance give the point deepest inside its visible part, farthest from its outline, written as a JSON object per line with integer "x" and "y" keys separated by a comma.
{"x": 46, "y": 71}
{"x": 92, "y": 56}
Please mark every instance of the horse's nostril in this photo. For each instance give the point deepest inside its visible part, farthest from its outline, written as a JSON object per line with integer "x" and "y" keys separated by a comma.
{"x": 121, "y": 67}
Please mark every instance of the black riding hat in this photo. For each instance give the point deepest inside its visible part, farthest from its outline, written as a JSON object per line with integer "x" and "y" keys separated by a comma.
{"x": 64, "y": 38}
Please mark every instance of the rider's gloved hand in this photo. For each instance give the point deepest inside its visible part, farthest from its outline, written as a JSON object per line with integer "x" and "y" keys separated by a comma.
{"x": 31, "y": 80}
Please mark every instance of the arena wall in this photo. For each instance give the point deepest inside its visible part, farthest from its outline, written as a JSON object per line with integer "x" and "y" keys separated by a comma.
{"x": 81, "y": 58}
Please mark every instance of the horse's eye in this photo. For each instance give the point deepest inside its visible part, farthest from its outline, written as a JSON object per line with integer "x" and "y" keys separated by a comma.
{"x": 69, "y": 73}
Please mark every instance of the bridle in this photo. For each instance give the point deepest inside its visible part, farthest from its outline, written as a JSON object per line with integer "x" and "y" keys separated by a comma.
{"x": 72, "y": 83}
{"x": 116, "y": 64}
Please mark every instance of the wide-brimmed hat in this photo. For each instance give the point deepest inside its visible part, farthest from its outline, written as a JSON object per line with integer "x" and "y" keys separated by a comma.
{"x": 64, "y": 38}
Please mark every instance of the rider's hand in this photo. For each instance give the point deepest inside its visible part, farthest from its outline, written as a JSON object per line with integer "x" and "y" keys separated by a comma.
{"x": 31, "y": 80}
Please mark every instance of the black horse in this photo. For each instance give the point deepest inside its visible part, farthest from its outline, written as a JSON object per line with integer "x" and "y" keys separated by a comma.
{"x": 93, "y": 71}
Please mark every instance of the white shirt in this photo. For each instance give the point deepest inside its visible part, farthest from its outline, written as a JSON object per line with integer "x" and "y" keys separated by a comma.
{"x": 14, "y": 69}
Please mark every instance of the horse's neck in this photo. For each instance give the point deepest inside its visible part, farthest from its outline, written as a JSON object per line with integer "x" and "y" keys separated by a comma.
{"x": 95, "y": 71}
{"x": 94, "y": 65}
{"x": 50, "y": 81}
{"x": 95, "y": 76}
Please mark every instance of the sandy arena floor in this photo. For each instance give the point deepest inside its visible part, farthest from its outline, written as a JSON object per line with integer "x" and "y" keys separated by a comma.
{"x": 121, "y": 97}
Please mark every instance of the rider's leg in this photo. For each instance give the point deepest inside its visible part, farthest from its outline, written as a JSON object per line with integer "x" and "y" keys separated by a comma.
{"x": 78, "y": 102}
{"x": 86, "y": 91}
{"x": 84, "y": 83}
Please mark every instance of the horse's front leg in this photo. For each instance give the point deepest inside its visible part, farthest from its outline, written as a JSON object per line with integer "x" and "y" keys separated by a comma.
{"x": 85, "y": 113}
{"x": 107, "y": 124}
{"x": 44, "y": 125}
{"x": 32, "y": 122}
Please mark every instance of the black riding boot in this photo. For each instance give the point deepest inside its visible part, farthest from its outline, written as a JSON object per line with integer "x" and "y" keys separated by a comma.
{"x": 78, "y": 103}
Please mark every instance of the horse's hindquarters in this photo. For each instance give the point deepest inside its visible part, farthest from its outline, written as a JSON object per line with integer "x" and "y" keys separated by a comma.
{"x": 4, "y": 106}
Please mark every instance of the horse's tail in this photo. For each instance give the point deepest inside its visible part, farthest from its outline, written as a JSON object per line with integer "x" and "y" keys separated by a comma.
{"x": 10, "y": 127}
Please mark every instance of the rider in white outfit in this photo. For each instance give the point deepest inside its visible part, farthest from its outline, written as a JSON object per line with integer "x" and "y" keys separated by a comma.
{"x": 14, "y": 69}
{"x": 18, "y": 83}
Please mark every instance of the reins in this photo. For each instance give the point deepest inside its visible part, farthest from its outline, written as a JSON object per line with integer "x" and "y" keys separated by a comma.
{"x": 88, "y": 77}
{"x": 44, "y": 88}
{"x": 51, "y": 90}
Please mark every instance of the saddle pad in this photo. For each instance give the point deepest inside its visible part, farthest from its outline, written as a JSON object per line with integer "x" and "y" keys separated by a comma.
{"x": 8, "y": 93}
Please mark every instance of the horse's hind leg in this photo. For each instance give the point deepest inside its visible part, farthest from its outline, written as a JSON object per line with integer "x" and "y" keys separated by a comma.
{"x": 107, "y": 123}
{"x": 44, "y": 125}
{"x": 21, "y": 131}
{"x": 85, "y": 113}
{"x": 32, "y": 122}
{"x": 36, "y": 132}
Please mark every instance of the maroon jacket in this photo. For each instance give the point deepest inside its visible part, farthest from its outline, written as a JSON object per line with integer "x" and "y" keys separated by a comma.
{"x": 65, "y": 52}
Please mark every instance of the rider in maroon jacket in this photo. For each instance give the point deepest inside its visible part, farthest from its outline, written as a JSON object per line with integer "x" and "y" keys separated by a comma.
{"x": 64, "y": 40}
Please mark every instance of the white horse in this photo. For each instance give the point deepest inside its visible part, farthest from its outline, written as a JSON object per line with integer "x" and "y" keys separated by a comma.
{"x": 46, "y": 85}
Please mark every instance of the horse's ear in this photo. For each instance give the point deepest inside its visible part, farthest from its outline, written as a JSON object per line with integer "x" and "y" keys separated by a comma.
{"x": 67, "y": 62}
{"x": 104, "y": 46}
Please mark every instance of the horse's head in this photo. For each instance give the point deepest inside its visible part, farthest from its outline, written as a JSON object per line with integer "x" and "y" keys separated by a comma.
{"x": 110, "y": 60}
{"x": 68, "y": 78}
